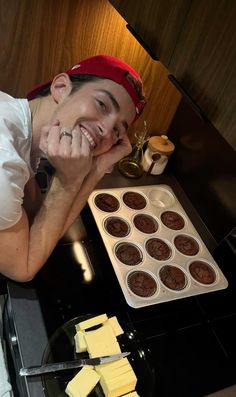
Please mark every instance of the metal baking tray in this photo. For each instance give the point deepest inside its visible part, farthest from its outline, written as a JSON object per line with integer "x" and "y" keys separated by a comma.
{"x": 168, "y": 285}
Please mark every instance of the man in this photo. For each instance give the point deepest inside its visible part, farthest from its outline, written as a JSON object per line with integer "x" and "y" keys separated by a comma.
{"x": 79, "y": 122}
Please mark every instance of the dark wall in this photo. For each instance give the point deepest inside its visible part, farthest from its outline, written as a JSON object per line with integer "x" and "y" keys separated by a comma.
{"x": 205, "y": 166}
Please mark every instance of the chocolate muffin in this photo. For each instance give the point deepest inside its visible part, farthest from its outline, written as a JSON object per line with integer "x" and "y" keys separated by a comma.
{"x": 142, "y": 283}
{"x": 134, "y": 200}
{"x": 158, "y": 249}
{"x": 128, "y": 254}
{"x": 116, "y": 227}
{"x": 202, "y": 272}
{"x": 106, "y": 202}
{"x": 145, "y": 223}
{"x": 186, "y": 245}
{"x": 173, "y": 277}
{"x": 172, "y": 220}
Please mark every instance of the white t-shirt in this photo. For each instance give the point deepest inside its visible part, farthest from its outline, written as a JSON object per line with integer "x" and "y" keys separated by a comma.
{"x": 15, "y": 167}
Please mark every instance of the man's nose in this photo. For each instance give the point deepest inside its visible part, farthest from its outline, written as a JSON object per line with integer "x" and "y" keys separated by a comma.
{"x": 107, "y": 128}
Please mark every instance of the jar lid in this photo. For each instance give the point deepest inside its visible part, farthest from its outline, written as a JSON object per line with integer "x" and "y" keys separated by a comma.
{"x": 161, "y": 144}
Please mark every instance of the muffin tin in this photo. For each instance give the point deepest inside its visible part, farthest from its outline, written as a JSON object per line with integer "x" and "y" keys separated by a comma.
{"x": 156, "y": 252}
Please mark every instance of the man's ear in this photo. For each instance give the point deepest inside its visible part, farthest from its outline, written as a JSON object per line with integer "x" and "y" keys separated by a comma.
{"x": 60, "y": 87}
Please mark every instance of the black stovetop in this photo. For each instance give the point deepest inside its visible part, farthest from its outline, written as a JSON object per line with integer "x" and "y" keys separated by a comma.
{"x": 192, "y": 340}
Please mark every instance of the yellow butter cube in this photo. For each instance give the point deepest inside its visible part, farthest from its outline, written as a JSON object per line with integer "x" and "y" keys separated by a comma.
{"x": 101, "y": 342}
{"x": 119, "y": 385}
{"x": 112, "y": 366}
{"x": 117, "y": 377}
{"x": 111, "y": 372}
{"x": 115, "y": 325}
{"x": 132, "y": 394}
{"x": 80, "y": 344}
{"x": 91, "y": 322}
{"x": 83, "y": 383}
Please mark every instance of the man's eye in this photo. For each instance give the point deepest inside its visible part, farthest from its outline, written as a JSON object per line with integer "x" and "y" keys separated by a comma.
{"x": 101, "y": 105}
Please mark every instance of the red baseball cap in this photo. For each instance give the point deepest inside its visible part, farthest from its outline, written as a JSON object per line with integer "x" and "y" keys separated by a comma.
{"x": 105, "y": 66}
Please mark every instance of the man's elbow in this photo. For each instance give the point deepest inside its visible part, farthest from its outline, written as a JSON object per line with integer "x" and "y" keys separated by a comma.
{"x": 23, "y": 277}
{"x": 27, "y": 278}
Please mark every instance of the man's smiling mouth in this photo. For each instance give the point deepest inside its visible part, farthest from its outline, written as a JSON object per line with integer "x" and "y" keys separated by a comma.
{"x": 88, "y": 137}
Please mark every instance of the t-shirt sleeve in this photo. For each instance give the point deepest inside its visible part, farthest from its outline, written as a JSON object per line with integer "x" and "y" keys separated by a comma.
{"x": 13, "y": 176}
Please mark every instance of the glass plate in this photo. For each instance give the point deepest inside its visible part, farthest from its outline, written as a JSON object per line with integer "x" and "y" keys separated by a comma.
{"x": 61, "y": 348}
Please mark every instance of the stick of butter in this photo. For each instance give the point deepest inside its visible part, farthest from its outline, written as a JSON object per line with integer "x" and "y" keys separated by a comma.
{"x": 91, "y": 322}
{"x": 116, "y": 378}
{"x": 83, "y": 383}
{"x": 115, "y": 325}
{"x": 101, "y": 342}
{"x": 80, "y": 344}
{"x": 117, "y": 386}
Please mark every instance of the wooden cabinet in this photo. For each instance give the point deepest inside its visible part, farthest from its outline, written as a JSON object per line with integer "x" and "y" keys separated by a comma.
{"x": 195, "y": 40}
{"x": 157, "y": 22}
{"x": 204, "y": 62}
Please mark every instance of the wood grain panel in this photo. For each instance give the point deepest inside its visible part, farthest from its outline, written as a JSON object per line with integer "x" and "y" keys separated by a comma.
{"x": 158, "y": 22}
{"x": 42, "y": 38}
{"x": 205, "y": 62}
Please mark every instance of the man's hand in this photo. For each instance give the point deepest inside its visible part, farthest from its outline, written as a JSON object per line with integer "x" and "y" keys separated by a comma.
{"x": 69, "y": 153}
{"x": 107, "y": 160}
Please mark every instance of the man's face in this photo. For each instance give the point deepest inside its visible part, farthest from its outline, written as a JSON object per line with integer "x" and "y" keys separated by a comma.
{"x": 102, "y": 110}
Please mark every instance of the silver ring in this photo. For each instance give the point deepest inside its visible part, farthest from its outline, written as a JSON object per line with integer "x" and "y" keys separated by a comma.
{"x": 65, "y": 133}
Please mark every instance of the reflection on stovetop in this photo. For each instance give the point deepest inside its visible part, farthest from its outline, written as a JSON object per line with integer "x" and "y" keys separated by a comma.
{"x": 192, "y": 340}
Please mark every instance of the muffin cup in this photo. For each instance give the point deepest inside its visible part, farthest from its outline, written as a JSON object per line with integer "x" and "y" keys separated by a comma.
{"x": 134, "y": 200}
{"x": 142, "y": 284}
{"x": 158, "y": 249}
{"x": 176, "y": 220}
{"x": 161, "y": 198}
{"x": 144, "y": 222}
{"x": 109, "y": 203}
{"x": 189, "y": 246}
{"x": 120, "y": 227}
{"x": 128, "y": 253}
{"x": 173, "y": 277}
{"x": 204, "y": 273}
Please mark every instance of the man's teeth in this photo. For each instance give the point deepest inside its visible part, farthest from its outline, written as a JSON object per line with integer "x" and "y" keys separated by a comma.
{"x": 88, "y": 136}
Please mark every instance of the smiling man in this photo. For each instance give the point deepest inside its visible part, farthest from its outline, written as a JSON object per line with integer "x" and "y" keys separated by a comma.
{"x": 79, "y": 122}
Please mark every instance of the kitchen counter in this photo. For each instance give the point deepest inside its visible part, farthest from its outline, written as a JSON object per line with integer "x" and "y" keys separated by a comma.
{"x": 191, "y": 340}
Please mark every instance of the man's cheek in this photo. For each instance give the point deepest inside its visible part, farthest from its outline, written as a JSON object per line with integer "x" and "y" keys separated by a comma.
{"x": 105, "y": 147}
{"x": 108, "y": 142}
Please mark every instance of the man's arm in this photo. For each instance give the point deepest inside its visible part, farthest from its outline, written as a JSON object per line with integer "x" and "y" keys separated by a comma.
{"x": 32, "y": 199}
{"x": 25, "y": 248}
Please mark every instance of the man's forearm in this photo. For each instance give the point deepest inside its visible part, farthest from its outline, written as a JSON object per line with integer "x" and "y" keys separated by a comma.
{"x": 32, "y": 199}
{"x": 80, "y": 200}
{"x": 25, "y": 249}
{"x": 50, "y": 221}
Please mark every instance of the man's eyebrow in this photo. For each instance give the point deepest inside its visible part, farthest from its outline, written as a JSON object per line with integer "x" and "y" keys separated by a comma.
{"x": 115, "y": 104}
{"x": 113, "y": 100}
